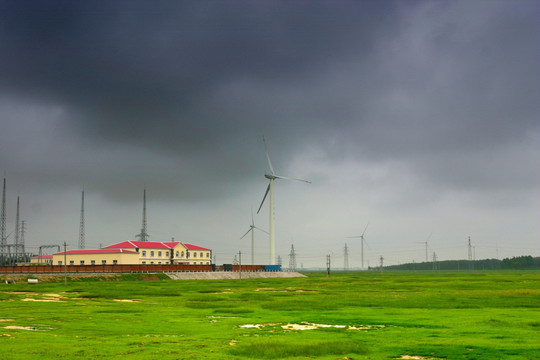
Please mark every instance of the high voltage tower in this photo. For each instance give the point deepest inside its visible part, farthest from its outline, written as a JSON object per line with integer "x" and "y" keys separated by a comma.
{"x": 381, "y": 266}
{"x": 3, "y": 239}
{"x": 345, "y": 258}
{"x": 144, "y": 234}
{"x": 292, "y": 259}
{"x": 434, "y": 261}
{"x": 81, "y": 224}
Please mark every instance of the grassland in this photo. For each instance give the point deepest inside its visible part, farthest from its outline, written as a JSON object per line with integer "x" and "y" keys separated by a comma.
{"x": 430, "y": 315}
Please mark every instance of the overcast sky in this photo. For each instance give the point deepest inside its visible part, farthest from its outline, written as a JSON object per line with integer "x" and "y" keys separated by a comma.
{"x": 417, "y": 117}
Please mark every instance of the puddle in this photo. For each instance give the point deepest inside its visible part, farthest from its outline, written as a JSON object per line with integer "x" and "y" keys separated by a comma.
{"x": 310, "y": 326}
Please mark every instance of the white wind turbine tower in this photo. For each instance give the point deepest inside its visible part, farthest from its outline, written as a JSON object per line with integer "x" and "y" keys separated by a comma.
{"x": 252, "y": 228}
{"x": 361, "y": 237}
{"x": 270, "y": 189}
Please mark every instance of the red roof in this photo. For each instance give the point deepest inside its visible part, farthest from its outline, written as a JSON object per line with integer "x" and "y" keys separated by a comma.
{"x": 194, "y": 247}
{"x": 97, "y": 251}
{"x": 42, "y": 257}
{"x": 152, "y": 245}
{"x": 143, "y": 244}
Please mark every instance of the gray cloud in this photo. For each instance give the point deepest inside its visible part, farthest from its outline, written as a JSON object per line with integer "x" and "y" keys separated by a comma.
{"x": 176, "y": 95}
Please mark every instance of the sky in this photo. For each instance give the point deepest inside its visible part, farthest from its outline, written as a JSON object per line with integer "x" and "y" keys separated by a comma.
{"x": 419, "y": 118}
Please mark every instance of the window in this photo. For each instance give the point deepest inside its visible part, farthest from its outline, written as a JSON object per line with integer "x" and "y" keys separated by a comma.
{"x": 207, "y": 255}
{"x": 152, "y": 253}
{"x": 115, "y": 262}
{"x": 82, "y": 262}
{"x": 194, "y": 254}
{"x": 159, "y": 262}
{"x": 144, "y": 262}
{"x": 200, "y": 263}
{"x": 103, "y": 262}
{"x": 166, "y": 262}
{"x": 201, "y": 254}
{"x": 182, "y": 253}
{"x": 159, "y": 254}
{"x": 166, "y": 253}
{"x": 151, "y": 262}
{"x": 92, "y": 262}
{"x": 59, "y": 262}
{"x": 178, "y": 252}
{"x": 71, "y": 262}
{"x": 144, "y": 253}
{"x": 207, "y": 263}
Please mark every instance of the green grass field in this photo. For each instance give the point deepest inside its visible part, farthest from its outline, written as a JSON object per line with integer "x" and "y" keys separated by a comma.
{"x": 424, "y": 315}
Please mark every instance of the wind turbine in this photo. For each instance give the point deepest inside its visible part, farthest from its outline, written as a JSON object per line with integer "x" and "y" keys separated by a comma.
{"x": 426, "y": 243}
{"x": 252, "y": 228}
{"x": 361, "y": 237}
{"x": 270, "y": 189}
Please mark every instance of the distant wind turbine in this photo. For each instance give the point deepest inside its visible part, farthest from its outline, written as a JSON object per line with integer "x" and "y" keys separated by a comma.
{"x": 252, "y": 228}
{"x": 426, "y": 243}
{"x": 270, "y": 189}
{"x": 361, "y": 237}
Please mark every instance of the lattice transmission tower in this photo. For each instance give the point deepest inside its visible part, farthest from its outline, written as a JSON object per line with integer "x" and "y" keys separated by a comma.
{"x": 292, "y": 259}
{"x": 346, "y": 258}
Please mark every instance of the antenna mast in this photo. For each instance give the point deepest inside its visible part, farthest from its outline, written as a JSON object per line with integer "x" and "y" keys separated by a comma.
{"x": 81, "y": 224}
{"x": 143, "y": 235}
{"x": 346, "y": 258}
{"x": 17, "y": 221}
{"x": 21, "y": 238}
{"x": 3, "y": 240}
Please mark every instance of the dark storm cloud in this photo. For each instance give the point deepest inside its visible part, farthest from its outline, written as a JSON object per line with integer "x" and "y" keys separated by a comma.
{"x": 195, "y": 84}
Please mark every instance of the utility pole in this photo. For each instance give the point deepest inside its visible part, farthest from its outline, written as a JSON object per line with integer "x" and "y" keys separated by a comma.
{"x": 292, "y": 259}
{"x": 240, "y": 264}
{"x": 81, "y": 225}
{"x": 434, "y": 261}
{"x": 471, "y": 263}
{"x": 65, "y": 264}
{"x": 345, "y": 258}
{"x": 327, "y": 265}
{"x": 381, "y": 265}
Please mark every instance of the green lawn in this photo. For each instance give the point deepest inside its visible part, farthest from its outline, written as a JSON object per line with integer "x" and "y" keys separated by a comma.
{"x": 434, "y": 315}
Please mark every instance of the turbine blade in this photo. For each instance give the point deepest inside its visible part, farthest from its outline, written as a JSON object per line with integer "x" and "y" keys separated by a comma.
{"x": 264, "y": 198}
{"x": 264, "y": 231}
{"x": 247, "y": 232}
{"x": 268, "y": 156}
{"x": 365, "y": 229}
{"x": 354, "y": 237}
{"x": 289, "y": 178}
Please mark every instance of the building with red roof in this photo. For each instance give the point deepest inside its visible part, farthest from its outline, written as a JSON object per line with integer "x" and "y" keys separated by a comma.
{"x": 137, "y": 252}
